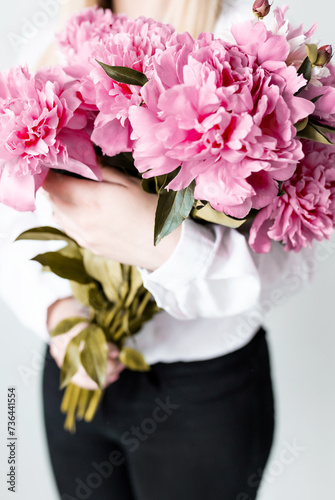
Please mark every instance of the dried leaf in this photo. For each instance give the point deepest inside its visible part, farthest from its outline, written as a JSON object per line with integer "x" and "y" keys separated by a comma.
{"x": 66, "y": 325}
{"x": 133, "y": 359}
{"x": 71, "y": 360}
{"x": 45, "y": 233}
{"x": 135, "y": 283}
{"x": 93, "y": 357}
{"x": 81, "y": 292}
{"x": 208, "y": 214}
{"x": 105, "y": 271}
{"x": 65, "y": 267}
{"x": 312, "y": 52}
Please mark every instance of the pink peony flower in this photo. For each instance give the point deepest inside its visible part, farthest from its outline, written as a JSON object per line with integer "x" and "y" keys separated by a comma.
{"x": 41, "y": 127}
{"x": 324, "y": 105}
{"x": 306, "y": 210}
{"x": 84, "y": 30}
{"x": 225, "y": 114}
{"x": 133, "y": 48}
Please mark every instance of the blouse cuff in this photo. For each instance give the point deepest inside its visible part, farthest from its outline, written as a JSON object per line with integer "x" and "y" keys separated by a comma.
{"x": 190, "y": 259}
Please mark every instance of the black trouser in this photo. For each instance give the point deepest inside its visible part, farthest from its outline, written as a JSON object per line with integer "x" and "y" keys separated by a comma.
{"x": 183, "y": 431}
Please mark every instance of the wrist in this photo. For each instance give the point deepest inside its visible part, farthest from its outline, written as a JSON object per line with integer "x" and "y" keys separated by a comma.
{"x": 162, "y": 252}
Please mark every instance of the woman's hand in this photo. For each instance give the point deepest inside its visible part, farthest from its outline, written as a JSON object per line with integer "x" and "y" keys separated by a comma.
{"x": 113, "y": 218}
{"x": 65, "y": 308}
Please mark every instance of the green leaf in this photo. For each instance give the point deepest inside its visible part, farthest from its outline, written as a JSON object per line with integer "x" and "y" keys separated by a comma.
{"x": 149, "y": 185}
{"x": 71, "y": 360}
{"x": 44, "y": 233}
{"x": 66, "y": 325}
{"x": 306, "y": 70}
{"x": 281, "y": 191}
{"x": 161, "y": 181}
{"x": 316, "y": 98}
{"x": 133, "y": 359}
{"x": 65, "y": 267}
{"x": 208, "y": 214}
{"x": 93, "y": 357}
{"x": 173, "y": 208}
{"x": 123, "y": 74}
{"x": 322, "y": 126}
{"x": 313, "y": 133}
{"x": 301, "y": 124}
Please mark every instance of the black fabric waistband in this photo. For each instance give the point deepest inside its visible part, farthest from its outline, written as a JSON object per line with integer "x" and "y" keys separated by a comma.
{"x": 229, "y": 360}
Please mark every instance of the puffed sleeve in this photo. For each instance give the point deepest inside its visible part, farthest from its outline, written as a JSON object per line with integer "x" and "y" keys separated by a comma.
{"x": 210, "y": 274}
{"x": 214, "y": 273}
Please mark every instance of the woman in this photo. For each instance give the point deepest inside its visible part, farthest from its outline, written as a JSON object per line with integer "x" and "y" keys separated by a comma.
{"x": 200, "y": 424}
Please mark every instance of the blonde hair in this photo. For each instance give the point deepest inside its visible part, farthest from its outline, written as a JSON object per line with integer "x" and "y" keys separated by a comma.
{"x": 194, "y": 16}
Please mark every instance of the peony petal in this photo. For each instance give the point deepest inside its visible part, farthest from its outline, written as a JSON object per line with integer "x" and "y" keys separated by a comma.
{"x": 112, "y": 137}
{"x": 258, "y": 236}
{"x": 81, "y": 154}
{"x": 17, "y": 192}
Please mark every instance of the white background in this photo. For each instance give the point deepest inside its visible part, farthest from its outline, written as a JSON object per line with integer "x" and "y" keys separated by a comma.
{"x": 301, "y": 334}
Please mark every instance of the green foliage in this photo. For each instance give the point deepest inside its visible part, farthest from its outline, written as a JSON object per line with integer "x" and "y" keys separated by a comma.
{"x": 305, "y": 70}
{"x": 173, "y": 208}
{"x": 314, "y": 133}
{"x": 123, "y": 74}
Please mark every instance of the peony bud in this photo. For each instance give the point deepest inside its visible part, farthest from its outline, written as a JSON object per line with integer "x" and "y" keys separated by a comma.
{"x": 324, "y": 56}
{"x": 261, "y": 8}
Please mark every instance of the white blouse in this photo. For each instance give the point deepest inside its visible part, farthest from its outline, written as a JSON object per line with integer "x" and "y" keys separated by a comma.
{"x": 214, "y": 289}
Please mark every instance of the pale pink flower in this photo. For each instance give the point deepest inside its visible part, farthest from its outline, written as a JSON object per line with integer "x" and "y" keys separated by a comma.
{"x": 306, "y": 210}
{"x": 225, "y": 114}
{"x": 261, "y": 8}
{"x": 297, "y": 38}
{"x": 133, "y": 48}
{"x": 84, "y": 30}
{"x": 41, "y": 127}
{"x": 324, "y": 105}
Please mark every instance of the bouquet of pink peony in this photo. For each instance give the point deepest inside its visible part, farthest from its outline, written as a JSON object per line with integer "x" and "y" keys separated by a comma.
{"x": 222, "y": 130}
{"x": 226, "y": 126}
{"x": 235, "y": 132}
{"x": 42, "y": 126}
